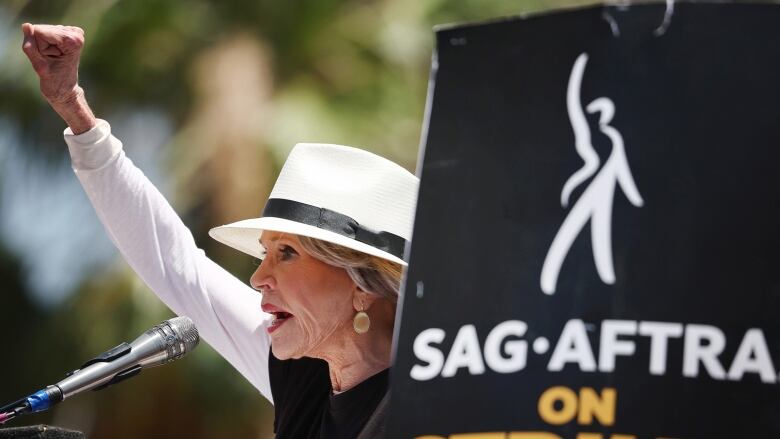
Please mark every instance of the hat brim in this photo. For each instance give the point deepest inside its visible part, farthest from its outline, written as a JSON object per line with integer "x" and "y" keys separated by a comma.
{"x": 244, "y": 236}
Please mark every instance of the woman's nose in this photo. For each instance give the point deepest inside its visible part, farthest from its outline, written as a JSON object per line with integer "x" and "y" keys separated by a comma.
{"x": 261, "y": 279}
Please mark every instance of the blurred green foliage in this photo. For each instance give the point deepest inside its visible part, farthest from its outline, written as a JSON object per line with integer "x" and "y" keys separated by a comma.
{"x": 264, "y": 73}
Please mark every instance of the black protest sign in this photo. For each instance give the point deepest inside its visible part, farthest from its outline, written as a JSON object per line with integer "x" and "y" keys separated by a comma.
{"x": 596, "y": 249}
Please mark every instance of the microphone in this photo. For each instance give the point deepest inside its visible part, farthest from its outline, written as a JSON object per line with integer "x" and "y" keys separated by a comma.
{"x": 163, "y": 343}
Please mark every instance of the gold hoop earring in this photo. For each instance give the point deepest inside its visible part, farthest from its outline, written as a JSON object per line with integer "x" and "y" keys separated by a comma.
{"x": 361, "y": 322}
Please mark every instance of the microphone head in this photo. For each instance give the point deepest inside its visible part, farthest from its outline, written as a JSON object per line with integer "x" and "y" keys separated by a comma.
{"x": 186, "y": 331}
{"x": 179, "y": 335}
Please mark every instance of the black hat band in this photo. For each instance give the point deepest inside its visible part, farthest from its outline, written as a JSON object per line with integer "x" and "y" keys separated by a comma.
{"x": 335, "y": 222}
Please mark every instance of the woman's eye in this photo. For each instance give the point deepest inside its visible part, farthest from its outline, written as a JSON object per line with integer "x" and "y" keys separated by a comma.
{"x": 287, "y": 252}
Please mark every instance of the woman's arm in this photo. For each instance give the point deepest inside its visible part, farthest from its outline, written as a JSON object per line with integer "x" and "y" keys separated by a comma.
{"x": 160, "y": 248}
{"x": 141, "y": 223}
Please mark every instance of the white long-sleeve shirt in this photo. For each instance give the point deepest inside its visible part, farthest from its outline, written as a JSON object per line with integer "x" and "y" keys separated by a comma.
{"x": 160, "y": 248}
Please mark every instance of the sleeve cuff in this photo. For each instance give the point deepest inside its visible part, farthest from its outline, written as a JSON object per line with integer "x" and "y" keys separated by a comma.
{"x": 92, "y": 149}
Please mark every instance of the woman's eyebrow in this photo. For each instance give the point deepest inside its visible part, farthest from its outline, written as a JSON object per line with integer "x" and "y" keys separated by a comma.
{"x": 274, "y": 239}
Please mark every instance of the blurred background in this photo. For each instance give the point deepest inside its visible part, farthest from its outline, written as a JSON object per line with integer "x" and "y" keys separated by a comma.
{"x": 208, "y": 97}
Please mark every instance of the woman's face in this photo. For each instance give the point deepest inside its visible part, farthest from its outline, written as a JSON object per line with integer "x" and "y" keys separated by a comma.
{"x": 312, "y": 301}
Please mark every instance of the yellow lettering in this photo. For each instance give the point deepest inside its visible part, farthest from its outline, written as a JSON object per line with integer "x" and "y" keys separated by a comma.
{"x": 552, "y": 415}
{"x": 490, "y": 435}
{"x": 603, "y": 408}
{"x": 532, "y": 435}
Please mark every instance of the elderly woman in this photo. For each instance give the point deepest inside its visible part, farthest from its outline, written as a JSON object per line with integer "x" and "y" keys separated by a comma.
{"x": 316, "y": 340}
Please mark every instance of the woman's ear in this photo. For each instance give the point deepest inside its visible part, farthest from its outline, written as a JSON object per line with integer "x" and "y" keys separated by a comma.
{"x": 362, "y": 300}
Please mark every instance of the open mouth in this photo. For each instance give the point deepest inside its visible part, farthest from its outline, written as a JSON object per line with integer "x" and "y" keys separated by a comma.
{"x": 279, "y": 318}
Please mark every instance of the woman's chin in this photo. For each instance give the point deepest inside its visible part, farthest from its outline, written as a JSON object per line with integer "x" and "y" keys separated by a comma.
{"x": 284, "y": 350}
{"x": 280, "y": 352}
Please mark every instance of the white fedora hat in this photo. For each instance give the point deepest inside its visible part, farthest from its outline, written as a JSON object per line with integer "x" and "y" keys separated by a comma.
{"x": 338, "y": 194}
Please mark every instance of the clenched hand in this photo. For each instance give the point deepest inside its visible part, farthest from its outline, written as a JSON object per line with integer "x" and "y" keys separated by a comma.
{"x": 54, "y": 52}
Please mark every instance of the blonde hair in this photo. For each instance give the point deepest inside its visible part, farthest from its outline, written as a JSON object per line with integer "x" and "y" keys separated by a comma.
{"x": 371, "y": 273}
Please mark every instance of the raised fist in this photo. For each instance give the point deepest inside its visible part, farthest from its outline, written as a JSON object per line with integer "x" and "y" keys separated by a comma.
{"x": 54, "y": 52}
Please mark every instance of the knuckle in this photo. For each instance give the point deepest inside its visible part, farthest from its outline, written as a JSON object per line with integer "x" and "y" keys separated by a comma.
{"x": 73, "y": 40}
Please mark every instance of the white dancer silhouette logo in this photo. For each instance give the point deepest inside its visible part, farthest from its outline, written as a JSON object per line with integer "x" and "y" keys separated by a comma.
{"x": 595, "y": 204}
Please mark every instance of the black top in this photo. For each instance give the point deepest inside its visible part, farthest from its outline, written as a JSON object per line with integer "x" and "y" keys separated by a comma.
{"x": 306, "y": 408}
